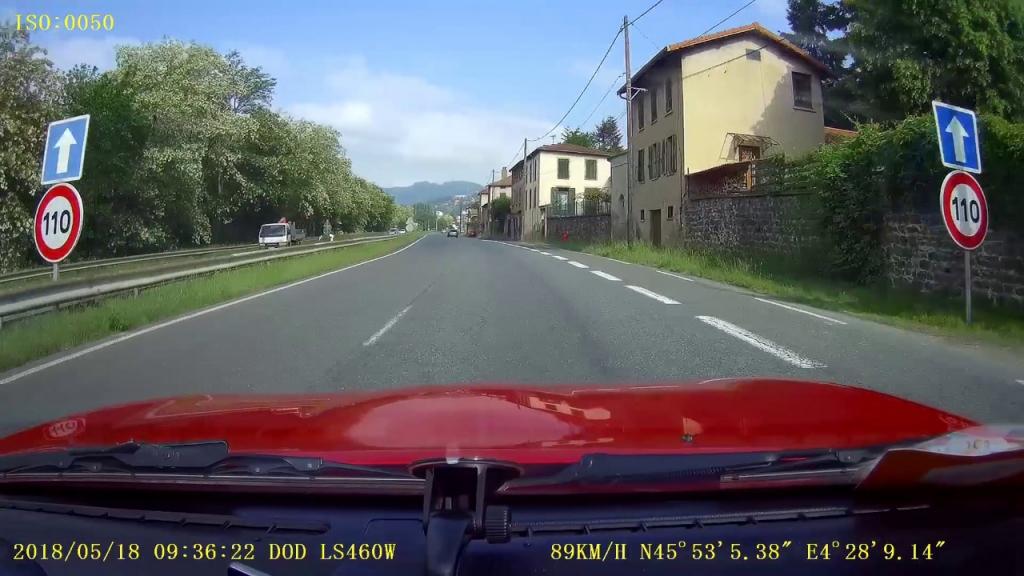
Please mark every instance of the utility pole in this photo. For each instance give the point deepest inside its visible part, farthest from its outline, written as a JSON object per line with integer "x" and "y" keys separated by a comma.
{"x": 629, "y": 135}
{"x": 519, "y": 223}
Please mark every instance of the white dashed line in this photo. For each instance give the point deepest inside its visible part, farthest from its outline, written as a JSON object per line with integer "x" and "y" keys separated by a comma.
{"x": 1020, "y": 381}
{"x": 557, "y": 257}
{"x": 760, "y": 343}
{"x": 655, "y": 295}
{"x": 795, "y": 309}
{"x": 577, "y": 264}
{"x": 674, "y": 275}
{"x": 156, "y": 327}
{"x": 546, "y": 253}
{"x": 605, "y": 275}
{"x": 391, "y": 323}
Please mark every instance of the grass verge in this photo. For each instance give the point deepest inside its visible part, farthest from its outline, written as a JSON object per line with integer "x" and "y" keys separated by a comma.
{"x": 936, "y": 315}
{"x": 41, "y": 336}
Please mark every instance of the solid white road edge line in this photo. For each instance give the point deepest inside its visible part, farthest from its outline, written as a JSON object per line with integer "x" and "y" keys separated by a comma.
{"x": 376, "y": 335}
{"x": 760, "y": 343}
{"x": 649, "y": 294}
{"x": 605, "y": 275}
{"x": 156, "y": 327}
{"x": 673, "y": 275}
{"x": 577, "y": 264}
{"x": 795, "y": 309}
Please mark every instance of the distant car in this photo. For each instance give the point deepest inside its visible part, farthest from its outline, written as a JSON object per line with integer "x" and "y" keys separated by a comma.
{"x": 402, "y": 231}
{"x": 392, "y": 232}
{"x": 471, "y": 234}
{"x": 453, "y": 232}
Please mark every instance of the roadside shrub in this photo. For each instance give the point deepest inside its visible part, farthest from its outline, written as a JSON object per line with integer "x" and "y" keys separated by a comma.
{"x": 895, "y": 168}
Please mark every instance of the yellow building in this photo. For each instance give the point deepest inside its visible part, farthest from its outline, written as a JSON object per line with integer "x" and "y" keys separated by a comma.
{"x": 730, "y": 97}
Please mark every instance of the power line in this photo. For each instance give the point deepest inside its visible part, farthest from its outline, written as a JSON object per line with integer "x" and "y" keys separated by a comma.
{"x": 615, "y": 83}
{"x": 655, "y": 5}
{"x": 727, "y": 18}
{"x": 585, "y": 88}
{"x": 656, "y": 47}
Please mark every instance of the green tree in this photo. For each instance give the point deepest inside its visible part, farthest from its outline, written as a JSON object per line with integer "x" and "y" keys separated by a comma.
{"x": 577, "y": 137}
{"x": 29, "y": 93}
{"x": 965, "y": 52}
{"x": 607, "y": 137}
{"x": 500, "y": 209}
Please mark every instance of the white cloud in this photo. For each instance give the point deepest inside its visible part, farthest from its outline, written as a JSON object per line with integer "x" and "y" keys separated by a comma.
{"x": 100, "y": 52}
{"x": 400, "y": 129}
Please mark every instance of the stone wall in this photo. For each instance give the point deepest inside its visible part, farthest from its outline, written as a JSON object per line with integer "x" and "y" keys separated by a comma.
{"x": 592, "y": 228}
{"x": 773, "y": 223}
{"x": 920, "y": 255}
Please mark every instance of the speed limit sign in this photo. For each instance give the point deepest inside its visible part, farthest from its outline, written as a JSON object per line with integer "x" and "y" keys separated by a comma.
{"x": 964, "y": 209}
{"x": 58, "y": 222}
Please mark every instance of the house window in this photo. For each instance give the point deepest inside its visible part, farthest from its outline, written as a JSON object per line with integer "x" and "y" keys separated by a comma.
{"x": 641, "y": 215}
{"x": 654, "y": 105}
{"x": 748, "y": 153}
{"x": 753, "y": 54}
{"x": 802, "y": 91}
{"x": 563, "y": 168}
{"x": 640, "y": 165}
{"x": 668, "y": 214}
{"x": 668, "y": 96}
{"x": 640, "y": 114}
{"x": 650, "y": 163}
{"x": 591, "y": 170}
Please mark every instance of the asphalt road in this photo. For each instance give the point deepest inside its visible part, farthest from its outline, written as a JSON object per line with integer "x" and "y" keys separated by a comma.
{"x": 462, "y": 310}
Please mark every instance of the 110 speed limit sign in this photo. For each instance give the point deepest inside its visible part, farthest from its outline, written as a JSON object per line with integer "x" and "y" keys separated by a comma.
{"x": 964, "y": 209}
{"x": 58, "y": 222}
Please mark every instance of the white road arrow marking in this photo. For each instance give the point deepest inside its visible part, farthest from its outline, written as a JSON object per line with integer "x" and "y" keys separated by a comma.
{"x": 959, "y": 135}
{"x": 63, "y": 146}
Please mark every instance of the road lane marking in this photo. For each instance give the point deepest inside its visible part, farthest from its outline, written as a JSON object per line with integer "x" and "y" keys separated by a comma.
{"x": 557, "y": 257}
{"x": 577, "y": 264}
{"x": 1020, "y": 381}
{"x": 795, "y": 309}
{"x": 649, "y": 294}
{"x": 674, "y": 275}
{"x": 390, "y": 324}
{"x": 131, "y": 335}
{"x": 546, "y": 253}
{"x": 760, "y": 343}
{"x": 605, "y": 275}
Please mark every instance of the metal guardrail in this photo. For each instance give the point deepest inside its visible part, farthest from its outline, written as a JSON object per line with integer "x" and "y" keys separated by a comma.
{"x": 76, "y": 296}
{"x": 41, "y": 271}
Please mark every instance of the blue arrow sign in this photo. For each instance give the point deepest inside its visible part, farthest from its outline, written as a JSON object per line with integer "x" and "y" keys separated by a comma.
{"x": 64, "y": 153}
{"x": 959, "y": 141}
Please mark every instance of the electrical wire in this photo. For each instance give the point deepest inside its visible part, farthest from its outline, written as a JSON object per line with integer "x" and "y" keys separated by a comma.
{"x": 615, "y": 83}
{"x": 729, "y": 17}
{"x": 578, "y": 98}
{"x": 656, "y": 47}
{"x": 655, "y": 5}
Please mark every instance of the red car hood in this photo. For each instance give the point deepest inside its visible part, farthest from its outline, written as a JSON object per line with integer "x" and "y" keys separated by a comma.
{"x": 524, "y": 424}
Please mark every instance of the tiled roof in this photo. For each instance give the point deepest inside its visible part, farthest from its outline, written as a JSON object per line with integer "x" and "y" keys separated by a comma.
{"x": 754, "y": 28}
{"x": 569, "y": 149}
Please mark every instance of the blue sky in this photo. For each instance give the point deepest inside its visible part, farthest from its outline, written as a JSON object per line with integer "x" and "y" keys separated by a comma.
{"x": 420, "y": 90}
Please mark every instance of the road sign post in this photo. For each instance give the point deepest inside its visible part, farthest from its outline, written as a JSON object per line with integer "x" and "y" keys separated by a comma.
{"x": 58, "y": 224}
{"x": 64, "y": 151}
{"x": 965, "y": 214}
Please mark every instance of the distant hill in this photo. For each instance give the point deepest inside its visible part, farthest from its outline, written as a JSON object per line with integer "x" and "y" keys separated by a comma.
{"x": 431, "y": 192}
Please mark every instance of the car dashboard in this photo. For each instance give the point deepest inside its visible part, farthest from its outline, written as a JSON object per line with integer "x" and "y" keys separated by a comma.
{"x": 457, "y": 527}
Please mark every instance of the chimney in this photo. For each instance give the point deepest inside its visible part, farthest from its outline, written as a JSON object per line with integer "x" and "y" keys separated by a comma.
{"x": 504, "y": 173}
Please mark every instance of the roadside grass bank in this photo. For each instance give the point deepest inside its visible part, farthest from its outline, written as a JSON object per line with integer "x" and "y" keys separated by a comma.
{"x": 38, "y": 337}
{"x": 1003, "y": 325}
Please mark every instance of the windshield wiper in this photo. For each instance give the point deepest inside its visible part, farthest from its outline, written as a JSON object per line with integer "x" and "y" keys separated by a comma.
{"x": 610, "y": 469}
{"x": 200, "y": 458}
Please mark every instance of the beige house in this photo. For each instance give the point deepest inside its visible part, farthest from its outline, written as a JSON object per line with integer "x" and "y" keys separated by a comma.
{"x": 726, "y": 98}
{"x": 619, "y": 192}
{"x": 556, "y": 179}
{"x": 493, "y": 191}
